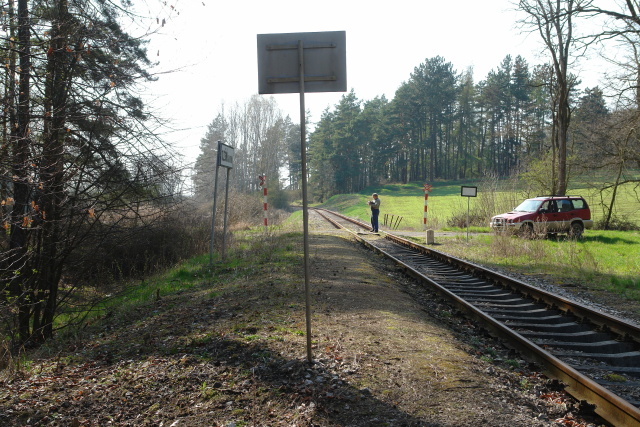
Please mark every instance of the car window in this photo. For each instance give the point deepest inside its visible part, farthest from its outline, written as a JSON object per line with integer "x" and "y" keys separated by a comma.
{"x": 544, "y": 207}
{"x": 548, "y": 207}
{"x": 564, "y": 206}
{"x": 528, "y": 205}
{"x": 579, "y": 204}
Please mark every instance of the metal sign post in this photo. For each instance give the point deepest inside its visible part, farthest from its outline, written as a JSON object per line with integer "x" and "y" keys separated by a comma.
{"x": 303, "y": 62}
{"x": 263, "y": 184}
{"x": 224, "y": 222}
{"x": 468, "y": 192}
{"x": 224, "y": 159}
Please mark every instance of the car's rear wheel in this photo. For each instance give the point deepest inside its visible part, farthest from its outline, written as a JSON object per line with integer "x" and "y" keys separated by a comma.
{"x": 576, "y": 230}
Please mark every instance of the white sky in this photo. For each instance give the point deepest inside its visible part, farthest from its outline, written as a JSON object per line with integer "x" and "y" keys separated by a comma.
{"x": 214, "y": 45}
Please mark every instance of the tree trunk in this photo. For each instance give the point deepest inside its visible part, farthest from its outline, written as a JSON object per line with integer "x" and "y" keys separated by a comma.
{"x": 52, "y": 170}
{"x": 17, "y": 260}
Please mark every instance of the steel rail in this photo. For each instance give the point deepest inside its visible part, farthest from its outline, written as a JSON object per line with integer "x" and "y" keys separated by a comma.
{"x": 605, "y": 321}
{"x": 608, "y": 405}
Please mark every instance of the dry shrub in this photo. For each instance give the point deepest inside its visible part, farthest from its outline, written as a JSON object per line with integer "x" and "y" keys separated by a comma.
{"x": 433, "y": 222}
{"x": 579, "y": 258}
{"x": 508, "y": 246}
{"x": 5, "y": 355}
{"x": 163, "y": 236}
{"x": 245, "y": 211}
{"x": 617, "y": 223}
{"x": 495, "y": 196}
{"x": 11, "y": 359}
{"x": 131, "y": 248}
{"x": 459, "y": 219}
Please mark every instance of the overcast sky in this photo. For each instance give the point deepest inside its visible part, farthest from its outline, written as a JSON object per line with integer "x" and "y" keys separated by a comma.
{"x": 213, "y": 43}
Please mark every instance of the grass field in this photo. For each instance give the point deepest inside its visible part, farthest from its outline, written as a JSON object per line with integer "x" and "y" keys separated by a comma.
{"x": 606, "y": 260}
{"x": 447, "y": 208}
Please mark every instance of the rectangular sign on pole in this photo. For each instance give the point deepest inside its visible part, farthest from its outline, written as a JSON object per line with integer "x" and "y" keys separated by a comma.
{"x": 225, "y": 155}
{"x": 325, "y": 62}
{"x": 469, "y": 191}
{"x": 299, "y": 63}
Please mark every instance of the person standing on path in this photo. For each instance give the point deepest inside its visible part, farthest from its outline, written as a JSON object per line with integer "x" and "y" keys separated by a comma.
{"x": 375, "y": 212}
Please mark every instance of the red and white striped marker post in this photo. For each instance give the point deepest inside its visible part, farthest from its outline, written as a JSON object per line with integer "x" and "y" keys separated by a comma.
{"x": 263, "y": 184}
{"x": 427, "y": 189}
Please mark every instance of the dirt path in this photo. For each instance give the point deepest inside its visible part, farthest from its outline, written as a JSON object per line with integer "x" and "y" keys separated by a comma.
{"x": 232, "y": 353}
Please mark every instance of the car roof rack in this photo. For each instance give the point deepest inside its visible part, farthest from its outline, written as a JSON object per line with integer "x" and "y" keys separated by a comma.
{"x": 556, "y": 195}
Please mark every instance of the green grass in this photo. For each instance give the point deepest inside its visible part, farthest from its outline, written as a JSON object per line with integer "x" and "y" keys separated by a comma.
{"x": 445, "y": 202}
{"x": 250, "y": 251}
{"x": 180, "y": 278}
{"x": 610, "y": 260}
{"x": 406, "y": 201}
{"x": 603, "y": 260}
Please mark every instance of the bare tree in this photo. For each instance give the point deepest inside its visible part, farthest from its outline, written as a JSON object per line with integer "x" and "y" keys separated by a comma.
{"x": 553, "y": 20}
{"x": 618, "y": 144}
{"x": 617, "y": 153}
{"x": 260, "y": 135}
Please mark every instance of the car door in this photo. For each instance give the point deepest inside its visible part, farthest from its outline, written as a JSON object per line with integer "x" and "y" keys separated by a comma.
{"x": 565, "y": 214}
{"x": 547, "y": 216}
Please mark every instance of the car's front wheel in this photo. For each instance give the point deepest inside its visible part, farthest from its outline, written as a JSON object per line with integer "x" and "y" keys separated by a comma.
{"x": 576, "y": 230}
{"x": 526, "y": 230}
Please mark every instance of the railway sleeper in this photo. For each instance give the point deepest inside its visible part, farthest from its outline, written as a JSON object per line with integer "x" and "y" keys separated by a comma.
{"x": 524, "y": 311}
{"x": 454, "y": 275}
{"x": 559, "y": 327}
{"x": 505, "y": 301}
{"x": 604, "y": 347}
{"x": 445, "y": 277}
{"x": 630, "y": 359}
{"x": 485, "y": 296}
{"x": 502, "y": 308}
{"x": 479, "y": 286}
{"x": 501, "y": 295}
{"x": 585, "y": 336}
{"x": 486, "y": 290}
{"x": 549, "y": 319}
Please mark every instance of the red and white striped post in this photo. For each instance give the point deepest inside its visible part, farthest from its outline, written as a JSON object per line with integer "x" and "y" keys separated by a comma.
{"x": 427, "y": 189}
{"x": 263, "y": 184}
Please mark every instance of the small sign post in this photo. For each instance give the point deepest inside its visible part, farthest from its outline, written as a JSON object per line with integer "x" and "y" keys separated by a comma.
{"x": 429, "y": 234}
{"x": 263, "y": 184}
{"x": 224, "y": 159}
{"x": 468, "y": 192}
{"x": 427, "y": 189}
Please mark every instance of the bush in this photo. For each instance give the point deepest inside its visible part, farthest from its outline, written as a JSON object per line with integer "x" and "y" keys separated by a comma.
{"x": 618, "y": 224}
{"x": 459, "y": 219}
{"x": 133, "y": 247}
{"x": 162, "y": 237}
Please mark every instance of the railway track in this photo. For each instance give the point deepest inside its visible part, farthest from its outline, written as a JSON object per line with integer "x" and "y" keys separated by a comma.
{"x": 596, "y": 355}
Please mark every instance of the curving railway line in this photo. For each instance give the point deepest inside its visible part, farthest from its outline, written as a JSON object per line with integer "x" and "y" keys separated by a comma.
{"x": 596, "y": 355}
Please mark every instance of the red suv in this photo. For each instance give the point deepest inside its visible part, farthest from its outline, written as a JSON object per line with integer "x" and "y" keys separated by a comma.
{"x": 546, "y": 214}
